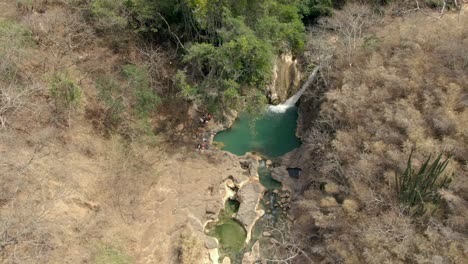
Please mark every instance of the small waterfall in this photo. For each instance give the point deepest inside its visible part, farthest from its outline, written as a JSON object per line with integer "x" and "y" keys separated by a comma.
{"x": 291, "y": 102}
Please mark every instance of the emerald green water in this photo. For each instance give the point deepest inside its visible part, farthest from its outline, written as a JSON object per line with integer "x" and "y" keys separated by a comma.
{"x": 230, "y": 233}
{"x": 272, "y": 135}
{"x": 266, "y": 179}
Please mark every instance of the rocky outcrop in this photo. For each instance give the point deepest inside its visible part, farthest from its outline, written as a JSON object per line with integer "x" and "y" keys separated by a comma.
{"x": 286, "y": 79}
{"x": 211, "y": 242}
{"x": 229, "y": 118}
{"x": 249, "y": 196}
{"x": 281, "y": 174}
{"x": 253, "y": 168}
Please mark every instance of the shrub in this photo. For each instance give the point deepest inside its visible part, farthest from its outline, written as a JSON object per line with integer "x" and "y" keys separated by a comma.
{"x": 146, "y": 99}
{"x": 111, "y": 255}
{"x": 418, "y": 188}
{"x": 13, "y": 37}
{"x": 65, "y": 91}
{"x": 189, "y": 248}
{"x": 187, "y": 91}
{"x": 110, "y": 93}
{"x": 108, "y": 15}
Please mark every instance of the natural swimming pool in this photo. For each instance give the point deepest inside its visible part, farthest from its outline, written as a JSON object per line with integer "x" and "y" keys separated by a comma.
{"x": 272, "y": 135}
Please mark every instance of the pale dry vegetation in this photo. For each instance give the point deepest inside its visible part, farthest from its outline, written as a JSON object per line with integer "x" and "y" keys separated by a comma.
{"x": 393, "y": 87}
{"x": 66, "y": 195}
{"x": 189, "y": 248}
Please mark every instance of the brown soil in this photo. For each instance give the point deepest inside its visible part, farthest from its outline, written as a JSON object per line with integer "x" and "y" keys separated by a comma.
{"x": 84, "y": 190}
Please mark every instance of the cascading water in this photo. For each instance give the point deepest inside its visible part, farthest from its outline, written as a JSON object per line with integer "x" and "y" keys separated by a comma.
{"x": 273, "y": 134}
{"x": 291, "y": 102}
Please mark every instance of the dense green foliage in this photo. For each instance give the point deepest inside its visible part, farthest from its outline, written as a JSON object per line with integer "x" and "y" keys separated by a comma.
{"x": 234, "y": 63}
{"x": 418, "y": 189}
{"x": 229, "y": 45}
{"x": 108, "y": 15}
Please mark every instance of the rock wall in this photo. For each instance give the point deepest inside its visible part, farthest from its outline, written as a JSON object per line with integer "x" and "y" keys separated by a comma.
{"x": 286, "y": 79}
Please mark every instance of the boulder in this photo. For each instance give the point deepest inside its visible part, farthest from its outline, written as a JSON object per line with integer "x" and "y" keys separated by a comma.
{"x": 274, "y": 241}
{"x": 281, "y": 174}
{"x": 230, "y": 183}
{"x": 248, "y": 197}
{"x": 226, "y": 260}
{"x": 253, "y": 168}
{"x": 266, "y": 234}
{"x": 211, "y": 242}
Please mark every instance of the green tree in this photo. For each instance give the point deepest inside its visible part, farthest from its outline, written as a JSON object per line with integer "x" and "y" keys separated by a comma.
{"x": 109, "y": 15}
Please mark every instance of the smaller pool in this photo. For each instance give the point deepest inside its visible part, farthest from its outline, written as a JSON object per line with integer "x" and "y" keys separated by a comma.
{"x": 229, "y": 232}
{"x": 267, "y": 180}
{"x": 272, "y": 135}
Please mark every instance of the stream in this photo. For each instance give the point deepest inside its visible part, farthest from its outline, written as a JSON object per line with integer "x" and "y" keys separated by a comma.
{"x": 271, "y": 135}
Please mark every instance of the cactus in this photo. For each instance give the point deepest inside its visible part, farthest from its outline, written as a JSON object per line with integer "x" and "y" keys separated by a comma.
{"x": 416, "y": 189}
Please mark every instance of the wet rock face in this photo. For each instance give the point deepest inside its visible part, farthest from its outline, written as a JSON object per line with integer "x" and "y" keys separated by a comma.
{"x": 281, "y": 174}
{"x": 286, "y": 79}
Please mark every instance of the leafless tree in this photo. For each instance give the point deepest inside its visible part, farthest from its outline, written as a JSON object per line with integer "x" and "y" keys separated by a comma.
{"x": 14, "y": 99}
{"x": 26, "y": 230}
{"x": 285, "y": 246}
{"x": 60, "y": 33}
{"x": 350, "y": 23}
{"x": 156, "y": 62}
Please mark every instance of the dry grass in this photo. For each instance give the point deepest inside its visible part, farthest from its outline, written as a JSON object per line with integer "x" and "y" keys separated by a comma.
{"x": 402, "y": 86}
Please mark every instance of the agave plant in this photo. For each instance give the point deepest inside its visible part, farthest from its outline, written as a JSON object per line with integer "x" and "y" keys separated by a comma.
{"x": 418, "y": 189}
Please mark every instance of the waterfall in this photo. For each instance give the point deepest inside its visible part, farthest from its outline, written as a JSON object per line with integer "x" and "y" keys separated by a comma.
{"x": 291, "y": 102}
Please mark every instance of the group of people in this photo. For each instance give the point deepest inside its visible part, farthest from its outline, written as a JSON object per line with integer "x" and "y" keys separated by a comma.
{"x": 202, "y": 146}
{"x": 203, "y": 122}
{"x": 205, "y": 119}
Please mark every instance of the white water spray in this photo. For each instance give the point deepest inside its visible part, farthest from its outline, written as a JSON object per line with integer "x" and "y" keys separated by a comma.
{"x": 291, "y": 102}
